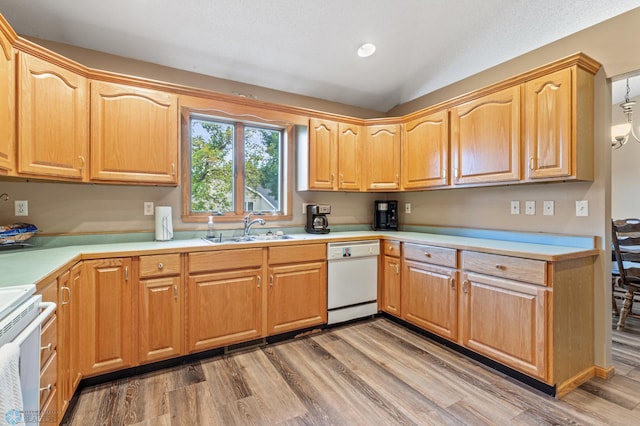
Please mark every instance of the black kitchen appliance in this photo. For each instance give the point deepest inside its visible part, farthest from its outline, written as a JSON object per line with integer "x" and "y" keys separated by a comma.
{"x": 385, "y": 215}
{"x": 317, "y": 222}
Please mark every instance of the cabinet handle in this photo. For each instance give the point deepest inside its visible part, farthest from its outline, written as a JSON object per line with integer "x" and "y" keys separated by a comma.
{"x": 68, "y": 291}
{"x": 455, "y": 173}
{"x": 46, "y": 348}
{"x": 82, "y": 163}
{"x": 444, "y": 175}
{"x": 341, "y": 178}
{"x": 175, "y": 291}
{"x": 160, "y": 265}
{"x": 500, "y": 267}
{"x": 270, "y": 280}
{"x": 397, "y": 179}
{"x": 397, "y": 270}
{"x": 259, "y": 281}
{"x": 531, "y": 163}
{"x": 452, "y": 282}
{"x": 465, "y": 285}
{"x": 46, "y": 388}
{"x": 332, "y": 177}
{"x": 173, "y": 169}
{"x": 126, "y": 273}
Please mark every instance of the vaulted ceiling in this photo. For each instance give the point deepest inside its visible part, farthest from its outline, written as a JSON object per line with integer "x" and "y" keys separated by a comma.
{"x": 309, "y": 47}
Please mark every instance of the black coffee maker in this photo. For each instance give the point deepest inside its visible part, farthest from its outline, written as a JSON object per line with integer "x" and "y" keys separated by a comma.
{"x": 385, "y": 215}
{"x": 317, "y": 222}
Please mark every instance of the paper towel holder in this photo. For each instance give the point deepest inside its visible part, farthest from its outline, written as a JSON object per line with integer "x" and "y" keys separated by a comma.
{"x": 164, "y": 223}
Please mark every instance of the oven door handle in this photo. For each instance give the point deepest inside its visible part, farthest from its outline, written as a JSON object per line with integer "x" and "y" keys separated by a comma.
{"x": 48, "y": 307}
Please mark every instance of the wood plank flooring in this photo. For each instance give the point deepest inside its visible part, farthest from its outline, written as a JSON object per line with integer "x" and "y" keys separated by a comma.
{"x": 369, "y": 373}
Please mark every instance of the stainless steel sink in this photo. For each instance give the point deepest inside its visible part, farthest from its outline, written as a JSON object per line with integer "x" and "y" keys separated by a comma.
{"x": 272, "y": 237}
{"x": 247, "y": 239}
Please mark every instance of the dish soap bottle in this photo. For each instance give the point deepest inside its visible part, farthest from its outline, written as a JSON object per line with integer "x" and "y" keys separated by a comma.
{"x": 210, "y": 233}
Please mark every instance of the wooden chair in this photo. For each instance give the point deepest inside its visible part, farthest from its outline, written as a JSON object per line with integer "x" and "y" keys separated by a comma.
{"x": 626, "y": 248}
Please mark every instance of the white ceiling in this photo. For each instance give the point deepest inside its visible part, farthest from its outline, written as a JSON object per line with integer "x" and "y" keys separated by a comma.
{"x": 309, "y": 47}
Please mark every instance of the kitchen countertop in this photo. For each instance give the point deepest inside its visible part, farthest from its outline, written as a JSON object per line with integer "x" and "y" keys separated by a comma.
{"x": 31, "y": 266}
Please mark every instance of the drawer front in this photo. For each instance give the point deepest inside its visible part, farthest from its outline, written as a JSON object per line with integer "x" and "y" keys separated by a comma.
{"x": 296, "y": 254}
{"x": 515, "y": 268}
{"x": 224, "y": 260}
{"x": 431, "y": 254}
{"x": 159, "y": 265}
{"x": 48, "y": 379}
{"x": 50, "y": 292}
{"x": 48, "y": 340}
{"x": 391, "y": 248}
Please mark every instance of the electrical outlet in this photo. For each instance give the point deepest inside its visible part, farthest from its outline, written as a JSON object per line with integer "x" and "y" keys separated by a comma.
{"x": 21, "y": 208}
{"x": 548, "y": 208}
{"x": 530, "y": 207}
{"x": 304, "y": 207}
{"x": 582, "y": 208}
{"x": 407, "y": 208}
{"x": 515, "y": 207}
{"x": 148, "y": 208}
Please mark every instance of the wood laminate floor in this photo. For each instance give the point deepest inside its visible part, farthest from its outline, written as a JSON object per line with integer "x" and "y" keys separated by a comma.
{"x": 369, "y": 373}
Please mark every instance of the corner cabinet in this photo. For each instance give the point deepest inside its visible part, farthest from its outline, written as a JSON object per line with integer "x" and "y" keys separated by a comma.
{"x": 134, "y": 135}
{"x": 425, "y": 152}
{"x": 485, "y": 138}
{"x": 382, "y": 157}
{"x": 7, "y": 106}
{"x": 53, "y": 120}
{"x": 558, "y": 125}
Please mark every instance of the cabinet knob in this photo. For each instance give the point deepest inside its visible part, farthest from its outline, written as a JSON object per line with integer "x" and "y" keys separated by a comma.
{"x": 390, "y": 248}
{"x": 427, "y": 254}
{"x": 160, "y": 265}
{"x": 46, "y": 388}
{"x": 46, "y": 348}
{"x": 500, "y": 267}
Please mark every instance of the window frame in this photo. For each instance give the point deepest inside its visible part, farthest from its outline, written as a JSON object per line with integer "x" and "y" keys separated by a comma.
{"x": 239, "y": 213}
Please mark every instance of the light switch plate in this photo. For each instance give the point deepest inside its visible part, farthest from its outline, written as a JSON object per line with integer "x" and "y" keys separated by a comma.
{"x": 548, "y": 208}
{"x": 407, "y": 208}
{"x": 515, "y": 207}
{"x": 582, "y": 208}
{"x": 530, "y": 207}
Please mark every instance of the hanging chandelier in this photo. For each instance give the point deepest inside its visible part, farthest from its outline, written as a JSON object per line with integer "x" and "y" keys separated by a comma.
{"x": 621, "y": 133}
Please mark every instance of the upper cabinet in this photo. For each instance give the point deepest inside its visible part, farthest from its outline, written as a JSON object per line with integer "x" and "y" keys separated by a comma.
{"x": 382, "y": 157}
{"x": 323, "y": 154}
{"x": 7, "y": 105}
{"x": 134, "y": 134}
{"x": 485, "y": 138}
{"x": 334, "y": 156}
{"x": 425, "y": 152}
{"x": 349, "y": 157}
{"x": 559, "y": 125}
{"x": 53, "y": 120}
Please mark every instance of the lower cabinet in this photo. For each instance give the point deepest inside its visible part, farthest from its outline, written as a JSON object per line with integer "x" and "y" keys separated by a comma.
{"x": 506, "y": 321}
{"x": 389, "y": 293}
{"x": 49, "y": 359}
{"x": 216, "y": 279}
{"x": 106, "y": 312}
{"x": 160, "y": 307}
{"x": 297, "y": 294}
{"x": 429, "y": 293}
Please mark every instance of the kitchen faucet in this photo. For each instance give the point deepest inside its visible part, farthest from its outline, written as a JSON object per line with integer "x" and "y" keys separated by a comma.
{"x": 248, "y": 223}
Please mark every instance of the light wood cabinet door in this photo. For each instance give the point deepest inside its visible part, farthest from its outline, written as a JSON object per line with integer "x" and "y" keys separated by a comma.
{"x": 548, "y": 126}
{"x": 69, "y": 375}
{"x": 505, "y": 320}
{"x": 429, "y": 298}
{"x": 160, "y": 319}
{"x": 349, "y": 157}
{"x": 106, "y": 312}
{"x": 7, "y": 106}
{"x": 53, "y": 120}
{"x": 485, "y": 139}
{"x": 134, "y": 134}
{"x": 297, "y": 296}
{"x": 382, "y": 157}
{"x": 425, "y": 152}
{"x": 224, "y": 308}
{"x": 323, "y": 154}
{"x": 390, "y": 294}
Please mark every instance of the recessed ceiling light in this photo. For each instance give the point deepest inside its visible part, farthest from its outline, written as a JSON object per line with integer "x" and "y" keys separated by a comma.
{"x": 366, "y": 50}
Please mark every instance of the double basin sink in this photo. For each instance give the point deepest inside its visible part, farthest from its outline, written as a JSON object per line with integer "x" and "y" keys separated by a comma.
{"x": 247, "y": 239}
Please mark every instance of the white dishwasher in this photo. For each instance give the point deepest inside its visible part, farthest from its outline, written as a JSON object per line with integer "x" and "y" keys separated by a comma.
{"x": 352, "y": 280}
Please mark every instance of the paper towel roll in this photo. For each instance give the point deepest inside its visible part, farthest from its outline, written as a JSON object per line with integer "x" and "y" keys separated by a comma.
{"x": 164, "y": 223}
